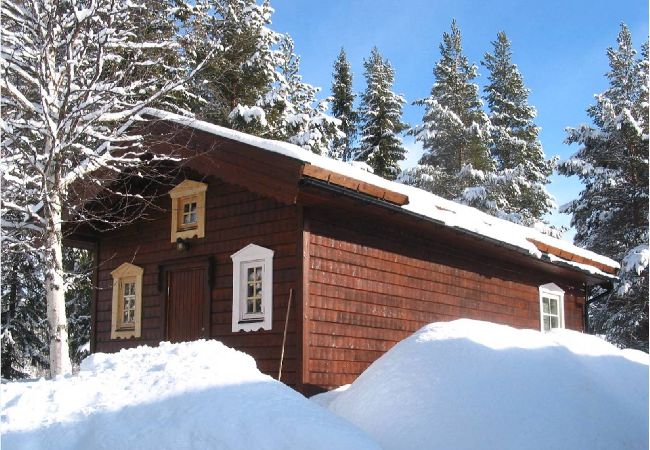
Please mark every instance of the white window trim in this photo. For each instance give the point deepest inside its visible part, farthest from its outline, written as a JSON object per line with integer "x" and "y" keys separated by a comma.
{"x": 252, "y": 255}
{"x": 552, "y": 290}
{"x": 126, "y": 270}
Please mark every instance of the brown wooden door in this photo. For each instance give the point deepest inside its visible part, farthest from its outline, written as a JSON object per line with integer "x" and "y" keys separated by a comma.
{"x": 187, "y": 291}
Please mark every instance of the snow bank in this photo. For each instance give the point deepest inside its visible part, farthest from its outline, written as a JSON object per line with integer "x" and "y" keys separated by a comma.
{"x": 476, "y": 385}
{"x": 196, "y": 395}
{"x": 423, "y": 203}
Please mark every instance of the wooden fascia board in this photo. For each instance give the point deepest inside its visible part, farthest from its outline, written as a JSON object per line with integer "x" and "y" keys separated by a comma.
{"x": 546, "y": 248}
{"x": 353, "y": 184}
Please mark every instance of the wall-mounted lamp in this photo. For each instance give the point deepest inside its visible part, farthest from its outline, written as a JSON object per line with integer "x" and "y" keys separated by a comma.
{"x": 182, "y": 245}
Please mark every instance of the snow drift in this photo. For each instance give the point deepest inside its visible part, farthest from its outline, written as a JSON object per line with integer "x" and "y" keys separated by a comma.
{"x": 196, "y": 395}
{"x": 476, "y": 385}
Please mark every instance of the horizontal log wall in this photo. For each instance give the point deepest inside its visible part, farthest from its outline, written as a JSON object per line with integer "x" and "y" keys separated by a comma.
{"x": 234, "y": 218}
{"x": 372, "y": 285}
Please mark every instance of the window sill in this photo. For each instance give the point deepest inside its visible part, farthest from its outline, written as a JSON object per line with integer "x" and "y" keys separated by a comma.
{"x": 255, "y": 320}
{"x": 251, "y": 325}
{"x": 124, "y": 334}
{"x": 191, "y": 233}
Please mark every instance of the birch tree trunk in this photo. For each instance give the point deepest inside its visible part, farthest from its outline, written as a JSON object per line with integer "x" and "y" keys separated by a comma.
{"x": 60, "y": 363}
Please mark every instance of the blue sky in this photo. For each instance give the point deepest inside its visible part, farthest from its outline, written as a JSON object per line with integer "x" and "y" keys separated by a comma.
{"x": 559, "y": 46}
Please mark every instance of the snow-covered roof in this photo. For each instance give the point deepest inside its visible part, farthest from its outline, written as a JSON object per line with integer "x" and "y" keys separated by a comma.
{"x": 423, "y": 203}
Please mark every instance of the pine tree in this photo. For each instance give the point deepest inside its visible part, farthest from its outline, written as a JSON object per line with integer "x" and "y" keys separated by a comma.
{"x": 611, "y": 213}
{"x": 343, "y": 106}
{"x": 455, "y": 133}
{"x": 515, "y": 144}
{"x": 381, "y": 118}
{"x": 252, "y": 83}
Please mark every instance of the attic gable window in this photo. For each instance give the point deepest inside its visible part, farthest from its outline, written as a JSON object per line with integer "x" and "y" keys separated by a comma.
{"x": 252, "y": 281}
{"x": 126, "y": 309}
{"x": 188, "y": 210}
{"x": 551, "y": 307}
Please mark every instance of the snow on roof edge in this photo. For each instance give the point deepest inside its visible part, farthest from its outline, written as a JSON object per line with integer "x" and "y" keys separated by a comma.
{"x": 452, "y": 214}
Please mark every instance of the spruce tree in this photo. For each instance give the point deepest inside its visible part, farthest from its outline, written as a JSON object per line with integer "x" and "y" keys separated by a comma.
{"x": 611, "y": 213}
{"x": 343, "y": 107}
{"x": 24, "y": 326}
{"x": 25, "y": 349}
{"x": 381, "y": 119}
{"x": 291, "y": 109}
{"x": 454, "y": 133}
{"x": 78, "y": 264}
{"x": 242, "y": 69}
{"x": 515, "y": 144}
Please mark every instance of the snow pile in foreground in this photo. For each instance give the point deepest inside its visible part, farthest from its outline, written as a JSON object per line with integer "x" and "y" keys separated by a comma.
{"x": 196, "y": 395}
{"x": 476, "y": 385}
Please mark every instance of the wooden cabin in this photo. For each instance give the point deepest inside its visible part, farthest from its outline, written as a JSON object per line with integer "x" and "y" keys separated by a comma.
{"x": 257, "y": 235}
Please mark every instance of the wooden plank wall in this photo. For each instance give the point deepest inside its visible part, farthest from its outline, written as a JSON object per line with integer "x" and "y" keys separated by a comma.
{"x": 371, "y": 285}
{"x": 235, "y": 218}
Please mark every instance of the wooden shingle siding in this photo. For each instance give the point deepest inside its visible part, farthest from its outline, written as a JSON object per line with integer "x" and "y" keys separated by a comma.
{"x": 259, "y": 171}
{"x": 371, "y": 284}
{"x": 234, "y": 218}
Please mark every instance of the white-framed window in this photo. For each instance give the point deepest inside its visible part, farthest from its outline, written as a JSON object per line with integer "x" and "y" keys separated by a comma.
{"x": 188, "y": 210}
{"x": 551, "y": 307}
{"x": 127, "y": 301}
{"x": 252, "y": 288}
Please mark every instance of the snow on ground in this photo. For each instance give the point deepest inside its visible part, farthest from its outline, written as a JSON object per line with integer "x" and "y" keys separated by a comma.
{"x": 476, "y": 385}
{"x": 197, "y": 395}
{"x": 326, "y": 398}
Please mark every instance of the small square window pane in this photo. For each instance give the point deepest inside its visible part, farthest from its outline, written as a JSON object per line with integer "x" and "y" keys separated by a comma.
{"x": 258, "y": 305}
{"x": 251, "y": 290}
{"x": 249, "y": 305}
{"x": 547, "y": 323}
{"x": 554, "y": 322}
{"x": 553, "y": 307}
{"x": 545, "y": 307}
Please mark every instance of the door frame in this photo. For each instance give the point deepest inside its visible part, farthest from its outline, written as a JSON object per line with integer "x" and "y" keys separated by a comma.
{"x": 163, "y": 287}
